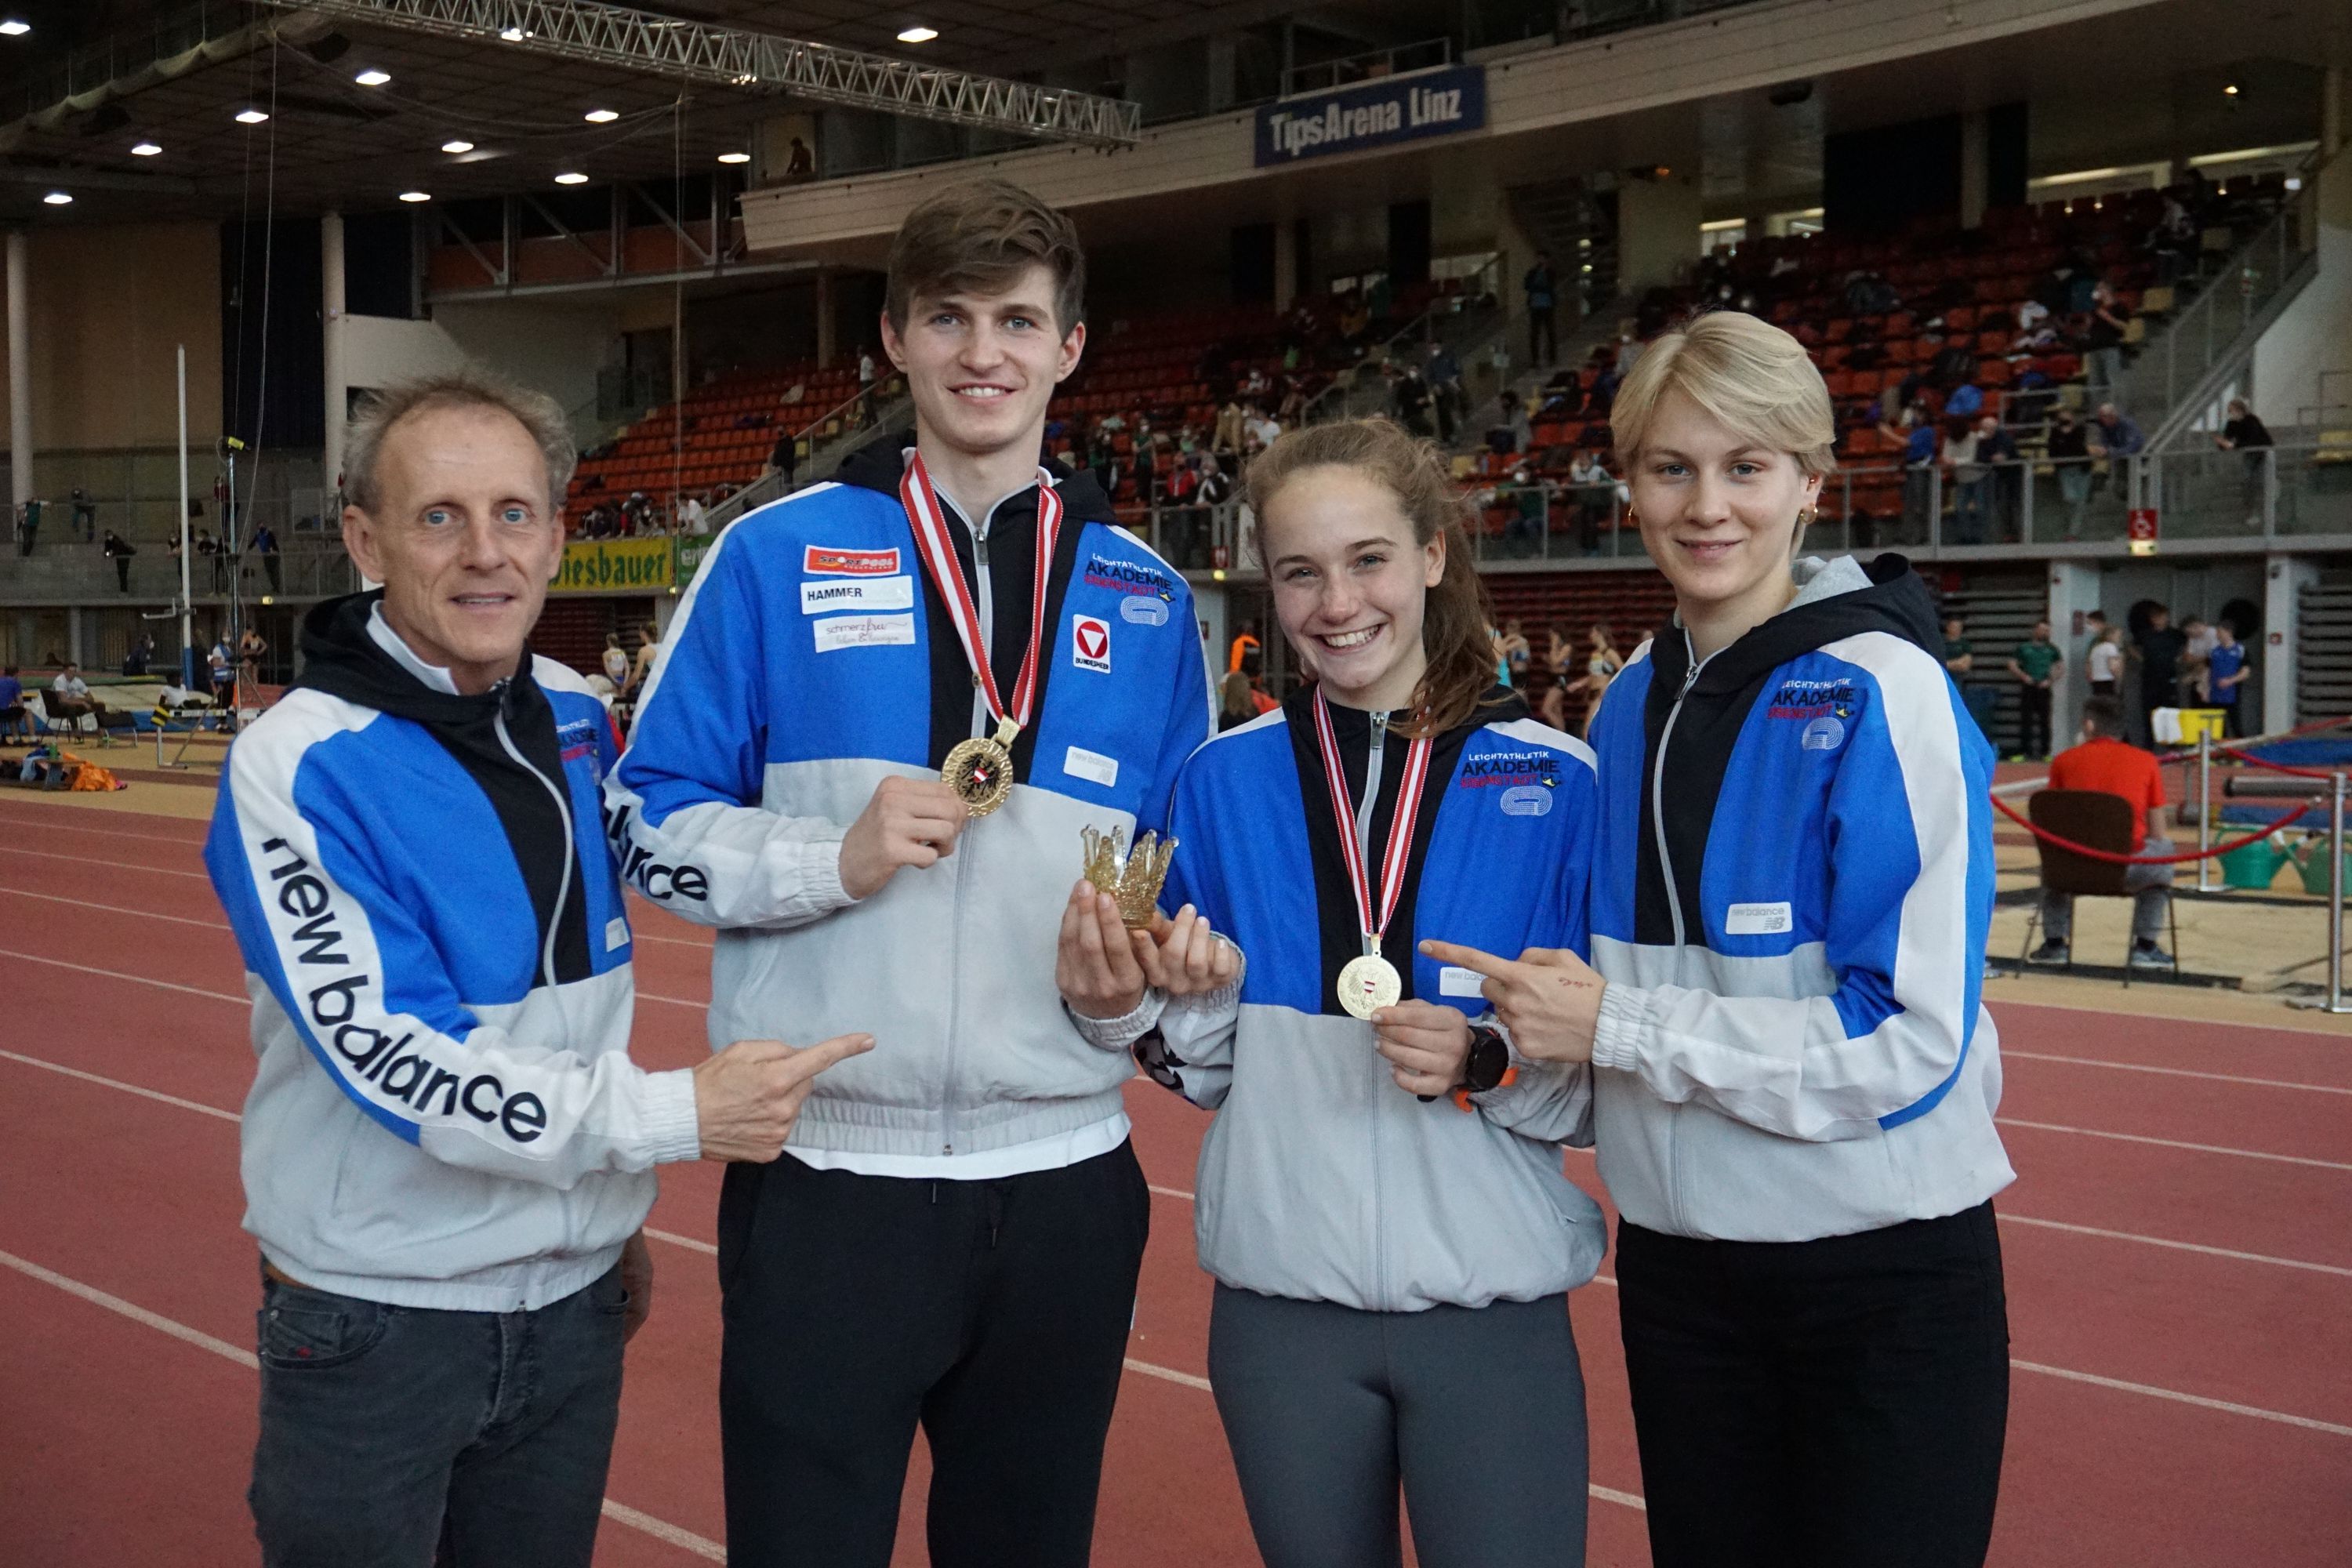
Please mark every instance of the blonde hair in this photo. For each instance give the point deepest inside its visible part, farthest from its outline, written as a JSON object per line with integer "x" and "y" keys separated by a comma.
{"x": 1749, "y": 374}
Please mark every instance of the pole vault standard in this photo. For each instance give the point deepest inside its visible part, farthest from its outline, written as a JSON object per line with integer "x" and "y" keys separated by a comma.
{"x": 187, "y": 606}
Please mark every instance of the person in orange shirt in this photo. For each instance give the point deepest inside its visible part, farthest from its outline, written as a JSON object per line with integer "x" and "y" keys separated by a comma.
{"x": 1246, "y": 650}
{"x": 2107, "y": 762}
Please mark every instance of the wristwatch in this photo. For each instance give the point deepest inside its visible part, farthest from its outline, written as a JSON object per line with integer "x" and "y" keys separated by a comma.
{"x": 1488, "y": 1065}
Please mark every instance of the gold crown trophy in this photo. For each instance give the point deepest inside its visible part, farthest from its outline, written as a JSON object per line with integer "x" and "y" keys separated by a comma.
{"x": 1132, "y": 878}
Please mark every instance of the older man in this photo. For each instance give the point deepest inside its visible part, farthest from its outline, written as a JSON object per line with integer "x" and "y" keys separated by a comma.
{"x": 447, "y": 1152}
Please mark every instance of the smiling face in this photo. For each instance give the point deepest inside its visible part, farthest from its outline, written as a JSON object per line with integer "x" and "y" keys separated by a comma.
{"x": 982, "y": 366}
{"x": 1718, "y": 515}
{"x": 465, "y": 540}
{"x": 1351, "y": 584}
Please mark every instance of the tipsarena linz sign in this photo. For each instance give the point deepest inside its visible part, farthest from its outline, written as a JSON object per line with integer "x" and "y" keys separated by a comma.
{"x": 1372, "y": 114}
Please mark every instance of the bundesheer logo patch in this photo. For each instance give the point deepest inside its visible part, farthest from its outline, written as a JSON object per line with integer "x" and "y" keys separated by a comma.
{"x": 1090, "y": 643}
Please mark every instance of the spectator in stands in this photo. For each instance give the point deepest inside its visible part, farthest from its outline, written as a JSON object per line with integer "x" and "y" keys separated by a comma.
{"x": 2249, "y": 437}
{"x": 1227, "y": 435}
{"x": 2103, "y": 339}
{"x": 637, "y": 513}
{"x": 1444, "y": 378}
{"x": 1541, "y": 286}
{"x": 264, "y": 543}
{"x": 119, "y": 551}
{"x": 784, "y": 456}
{"x": 1262, "y": 425}
{"x": 447, "y": 1164}
{"x": 2069, "y": 450}
{"x": 2225, "y": 674}
{"x": 1410, "y": 395}
{"x": 2115, "y": 436}
{"x": 692, "y": 518}
{"x": 2103, "y": 664}
{"x": 14, "y": 718}
{"x": 799, "y": 163}
{"x": 1999, "y": 482}
{"x": 1523, "y": 530}
{"x": 2104, "y": 761}
{"x": 1969, "y": 484}
{"x": 2160, "y": 649}
{"x": 2035, "y": 666}
{"x": 1916, "y": 435}
{"x": 215, "y": 559}
{"x": 1237, "y": 702}
{"x": 869, "y": 411}
{"x": 85, "y": 514}
{"x": 1595, "y": 496}
{"x": 2198, "y": 642}
{"x": 1293, "y": 409}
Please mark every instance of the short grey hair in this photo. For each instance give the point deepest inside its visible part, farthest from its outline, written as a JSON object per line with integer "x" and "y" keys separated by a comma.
{"x": 469, "y": 386}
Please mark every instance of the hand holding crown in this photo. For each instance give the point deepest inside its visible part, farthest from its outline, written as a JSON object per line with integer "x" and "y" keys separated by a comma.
{"x": 1116, "y": 944}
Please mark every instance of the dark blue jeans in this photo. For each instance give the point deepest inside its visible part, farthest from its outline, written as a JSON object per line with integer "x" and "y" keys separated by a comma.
{"x": 401, "y": 1436}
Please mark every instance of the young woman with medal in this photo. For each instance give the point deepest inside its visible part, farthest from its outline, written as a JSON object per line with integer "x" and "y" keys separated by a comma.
{"x": 1380, "y": 1196}
{"x": 886, "y": 711}
{"x": 1795, "y": 1077}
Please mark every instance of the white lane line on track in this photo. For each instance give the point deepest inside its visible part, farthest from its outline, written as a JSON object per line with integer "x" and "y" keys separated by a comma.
{"x": 43, "y": 825}
{"x": 2179, "y": 1246}
{"x": 118, "y": 864}
{"x": 2008, "y": 1054}
{"x": 2177, "y": 1143}
{"x": 1606, "y": 1494}
{"x": 114, "y": 909}
{"x": 119, "y": 975}
{"x": 660, "y": 1528}
{"x": 635, "y": 936}
{"x": 2230, "y": 1406}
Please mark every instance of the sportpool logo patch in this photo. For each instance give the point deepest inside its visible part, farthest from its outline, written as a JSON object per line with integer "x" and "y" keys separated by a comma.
{"x": 1090, "y": 644}
{"x": 826, "y": 561}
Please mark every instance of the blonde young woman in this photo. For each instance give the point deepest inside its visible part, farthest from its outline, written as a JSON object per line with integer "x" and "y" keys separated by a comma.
{"x": 1794, "y": 1077}
{"x": 1380, "y": 1195}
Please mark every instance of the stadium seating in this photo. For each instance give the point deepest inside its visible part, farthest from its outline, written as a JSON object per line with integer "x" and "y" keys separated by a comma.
{"x": 728, "y": 425}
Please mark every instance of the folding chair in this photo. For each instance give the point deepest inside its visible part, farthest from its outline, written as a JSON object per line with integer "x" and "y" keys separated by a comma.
{"x": 2099, "y": 821}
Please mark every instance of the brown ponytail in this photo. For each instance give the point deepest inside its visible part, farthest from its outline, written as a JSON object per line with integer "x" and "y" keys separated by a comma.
{"x": 1455, "y": 617}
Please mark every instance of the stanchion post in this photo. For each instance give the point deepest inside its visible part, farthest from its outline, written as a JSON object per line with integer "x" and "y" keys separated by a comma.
{"x": 2204, "y": 809}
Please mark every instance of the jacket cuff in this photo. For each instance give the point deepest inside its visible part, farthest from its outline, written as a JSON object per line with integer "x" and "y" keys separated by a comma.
{"x": 818, "y": 873}
{"x": 1622, "y": 1029}
{"x": 672, "y": 1127}
{"x": 1121, "y": 1033}
{"x": 1226, "y": 997}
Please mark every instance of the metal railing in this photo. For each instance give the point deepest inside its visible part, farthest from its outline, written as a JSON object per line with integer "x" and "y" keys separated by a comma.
{"x": 2159, "y": 388}
{"x": 846, "y": 431}
{"x": 1373, "y": 64}
{"x": 1363, "y": 389}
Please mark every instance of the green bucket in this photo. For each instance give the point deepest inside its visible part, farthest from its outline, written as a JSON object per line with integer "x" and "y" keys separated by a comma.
{"x": 2313, "y": 863}
{"x": 2254, "y": 865}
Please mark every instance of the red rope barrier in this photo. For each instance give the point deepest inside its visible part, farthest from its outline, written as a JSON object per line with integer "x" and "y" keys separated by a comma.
{"x": 2113, "y": 858}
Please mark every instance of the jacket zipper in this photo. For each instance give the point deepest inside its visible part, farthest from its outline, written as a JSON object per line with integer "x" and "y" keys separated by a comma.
{"x": 1674, "y": 895}
{"x": 563, "y": 810}
{"x": 984, "y": 601}
{"x": 1658, "y": 800}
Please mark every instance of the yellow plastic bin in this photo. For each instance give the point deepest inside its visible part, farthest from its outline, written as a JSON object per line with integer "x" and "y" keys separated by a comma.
{"x": 2200, "y": 722}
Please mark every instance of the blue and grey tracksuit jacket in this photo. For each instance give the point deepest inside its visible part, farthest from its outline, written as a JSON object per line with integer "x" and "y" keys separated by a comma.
{"x": 443, "y": 1113}
{"x": 1320, "y": 1179}
{"x": 811, "y": 659}
{"x": 1790, "y": 907}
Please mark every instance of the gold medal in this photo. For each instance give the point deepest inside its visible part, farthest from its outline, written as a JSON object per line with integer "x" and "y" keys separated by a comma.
{"x": 1368, "y": 984}
{"x": 979, "y": 771}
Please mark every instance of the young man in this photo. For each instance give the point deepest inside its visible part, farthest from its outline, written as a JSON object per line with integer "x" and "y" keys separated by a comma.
{"x": 2226, "y": 672}
{"x": 447, "y": 1152}
{"x": 2107, "y": 762}
{"x": 956, "y": 1238}
{"x": 2035, "y": 666}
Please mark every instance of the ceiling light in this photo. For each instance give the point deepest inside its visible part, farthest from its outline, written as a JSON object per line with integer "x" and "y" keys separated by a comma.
{"x": 373, "y": 77}
{"x": 145, "y": 150}
{"x": 58, "y": 199}
{"x": 918, "y": 34}
{"x": 2231, "y": 90}
{"x": 602, "y": 115}
{"x": 415, "y": 196}
{"x": 734, "y": 157}
{"x": 513, "y": 34}
{"x": 251, "y": 117}
{"x": 461, "y": 145}
{"x": 571, "y": 179}
{"x": 13, "y": 28}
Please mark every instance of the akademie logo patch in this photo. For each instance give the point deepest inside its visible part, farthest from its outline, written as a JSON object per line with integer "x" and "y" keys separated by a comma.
{"x": 1126, "y": 577}
{"x": 828, "y": 560}
{"x": 1809, "y": 700}
{"x": 577, "y": 738}
{"x": 1090, "y": 643}
{"x": 1508, "y": 769}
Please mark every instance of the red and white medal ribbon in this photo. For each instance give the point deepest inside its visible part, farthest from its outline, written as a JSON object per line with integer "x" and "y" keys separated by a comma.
{"x": 1400, "y": 829}
{"x": 937, "y": 548}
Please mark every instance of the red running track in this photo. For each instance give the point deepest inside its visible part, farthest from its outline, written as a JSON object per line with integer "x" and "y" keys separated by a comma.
{"x": 2178, "y": 1247}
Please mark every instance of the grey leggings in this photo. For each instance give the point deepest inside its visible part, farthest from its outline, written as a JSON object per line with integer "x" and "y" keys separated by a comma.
{"x": 1479, "y": 1412}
